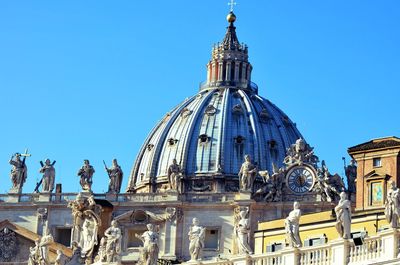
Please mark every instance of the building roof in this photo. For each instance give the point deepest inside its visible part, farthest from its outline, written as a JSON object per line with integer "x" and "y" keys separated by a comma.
{"x": 379, "y": 143}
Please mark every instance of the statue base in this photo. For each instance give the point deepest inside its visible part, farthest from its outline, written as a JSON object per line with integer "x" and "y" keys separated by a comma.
{"x": 15, "y": 191}
{"x": 244, "y": 196}
{"x": 44, "y": 197}
{"x": 13, "y": 198}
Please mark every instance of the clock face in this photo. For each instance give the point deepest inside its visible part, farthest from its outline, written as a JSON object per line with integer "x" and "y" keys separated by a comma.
{"x": 300, "y": 179}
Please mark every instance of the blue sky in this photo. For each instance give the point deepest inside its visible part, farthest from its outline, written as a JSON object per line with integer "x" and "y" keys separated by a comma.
{"x": 89, "y": 79}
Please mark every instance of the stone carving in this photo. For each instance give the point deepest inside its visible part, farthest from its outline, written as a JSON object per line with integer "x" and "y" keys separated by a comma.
{"x": 273, "y": 184}
{"x": 115, "y": 174}
{"x": 328, "y": 186}
{"x": 101, "y": 253}
{"x": 112, "y": 237}
{"x": 292, "y": 226}
{"x": 300, "y": 153}
{"x": 86, "y": 219}
{"x": 242, "y": 232}
{"x": 150, "y": 250}
{"x": 247, "y": 174}
{"x": 34, "y": 254}
{"x": 19, "y": 171}
{"x": 61, "y": 258}
{"x": 49, "y": 175}
{"x": 196, "y": 238}
{"x": 174, "y": 175}
{"x": 86, "y": 174}
{"x": 8, "y": 245}
{"x": 44, "y": 243}
{"x": 343, "y": 217}
{"x": 351, "y": 175}
{"x": 392, "y": 205}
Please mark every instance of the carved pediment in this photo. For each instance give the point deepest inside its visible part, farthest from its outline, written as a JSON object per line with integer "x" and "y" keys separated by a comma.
{"x": 144, "y": 216}
{"x": 373, "y": 175}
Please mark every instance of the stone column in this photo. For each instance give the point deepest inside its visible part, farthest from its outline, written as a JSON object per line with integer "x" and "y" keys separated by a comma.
{"x": 220, "y": 70}
{"x": 390, "y": 243}
{"x": 290, "y": 256}
{"x": 236, "y": 78}
{"x": 228, "y": 71}
{"x": 340, "y": 251}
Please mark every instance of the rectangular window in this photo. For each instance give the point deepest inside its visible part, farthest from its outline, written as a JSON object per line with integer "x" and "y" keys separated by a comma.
{"x": 63, "y": 236}
{"x": 274, "y": 247}
{"x": 377, "y": 162}
{"x": 211, "y": 241}
{"x": 376, "y": 193}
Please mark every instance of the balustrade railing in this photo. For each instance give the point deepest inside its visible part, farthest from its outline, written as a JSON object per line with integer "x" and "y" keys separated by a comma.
{"x": 318, "y": 255}
{"x": 371, "y": 249}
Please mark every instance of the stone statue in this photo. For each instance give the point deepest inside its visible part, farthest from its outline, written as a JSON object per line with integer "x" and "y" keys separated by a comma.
{"x": 343, "y": 217}
{"x": 101, "y": 253}
{"x": 113, "y": 242}
{"x": 86, "y": 216}
{"x": 44, "y": 243}
{"x": 9, "y": 245}
{"x": 351, "y": 175}
{"x": 392, "y": 205}
{"x": 242, "y": 232}
{"x": 299, "y": 153}
{"x": 174, "y": 174}
{"x": 34, "y": 254}
{"x": 327, "y": 185}
{"x": 115, "y": 174}
{"x": 247, "y": 174}
{"x": 86, "y": 173}
{"x": 149, "y": 254}
{"x": 196, "y": 238}
{"x": 61, "y": 258}
{"x": 292, "y": 223}
{"x": 49, "y": 175}
{"x": 273, "y": 184}
{"x": 19, "y": 171}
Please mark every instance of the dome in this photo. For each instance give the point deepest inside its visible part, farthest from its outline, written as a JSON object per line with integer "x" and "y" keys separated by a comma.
{"x": 210, "y": 133}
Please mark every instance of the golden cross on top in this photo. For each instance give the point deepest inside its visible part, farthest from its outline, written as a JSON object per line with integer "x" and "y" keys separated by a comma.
{"x": 232, "y": 3}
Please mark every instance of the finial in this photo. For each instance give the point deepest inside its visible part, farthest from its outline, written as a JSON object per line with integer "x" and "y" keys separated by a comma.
{"x": 232, "y": 3}
{"x": 231, "y": 17}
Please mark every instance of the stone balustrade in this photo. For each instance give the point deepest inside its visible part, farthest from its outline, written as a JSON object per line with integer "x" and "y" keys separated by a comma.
{"x": 380, "y": 249}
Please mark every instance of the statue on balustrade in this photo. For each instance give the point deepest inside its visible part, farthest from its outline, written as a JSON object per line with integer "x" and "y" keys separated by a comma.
{"x": 49, "y": 175}
{"x": 113, "y": 242}
{"x": 351, "y": 175}
{"x": 196, "y": 238}
{"x": 292, "y": 225}
{"x": 150, "y": 250}
{"x": 392, "y": 205}
{"x": 86, "y": 175}
{"x": 247, "y": 174}
{"x": 115, "y": 174}
{"x": 19, "y": 171}
{"x": 86, "y": 216}
{"x": 242, "y": 232}
{"x": 174, "y": 175}
{"x": 343, "y": 217}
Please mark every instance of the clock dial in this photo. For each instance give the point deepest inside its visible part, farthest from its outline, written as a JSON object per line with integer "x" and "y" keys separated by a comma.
{"x": 300, "y": 179}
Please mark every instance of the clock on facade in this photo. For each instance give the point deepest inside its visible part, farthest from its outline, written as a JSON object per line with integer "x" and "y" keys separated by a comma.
{"x": 300, "y": 179}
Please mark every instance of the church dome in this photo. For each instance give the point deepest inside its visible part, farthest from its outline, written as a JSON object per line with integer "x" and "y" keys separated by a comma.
{"x": 210, "y": 133}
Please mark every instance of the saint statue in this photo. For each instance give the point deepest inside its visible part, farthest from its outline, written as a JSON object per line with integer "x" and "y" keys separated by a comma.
{"x": 247, "y": 174}
{"x": 86, "y": 173}
{"x": 351, "y": 175}
{"x": 149, "y": 254}
{"x": 196, "y": 238}
{"x": 242, "y": 232}
{"x": 113, "y": 242}
{"x": 49, "y": 175}
{"x": 292, "y": 223}
{"x": 44, "y": 244}
{"x": 19, "y": 171}
{"x": 174, "y": 174}
{"x": 34, "y": 254}
{"x": 343, "y": 217}
{"x": 392, "y": 211}
{"x": 115, "y": 174}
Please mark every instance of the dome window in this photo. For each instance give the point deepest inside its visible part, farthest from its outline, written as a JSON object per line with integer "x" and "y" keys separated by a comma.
{"x": 239, "y": 140}
{"x": 264, "y": 115}
{"x": 203, "y": 139}
{"x": 286, "y": 120}
{"x": 237, "y": 109}
{"x": 150, "y": 147}
{"x": 186, "y": 112}
{"x": 210, "y": 110}
{"x": 172, "y": 141}
{"x": 272, "y": 144}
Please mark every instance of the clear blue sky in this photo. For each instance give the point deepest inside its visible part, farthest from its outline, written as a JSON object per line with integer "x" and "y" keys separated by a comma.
{"x": 89, "y": 79}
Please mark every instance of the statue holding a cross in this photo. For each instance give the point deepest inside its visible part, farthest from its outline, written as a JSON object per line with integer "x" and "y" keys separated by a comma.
{"x": 19, "y": 171}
